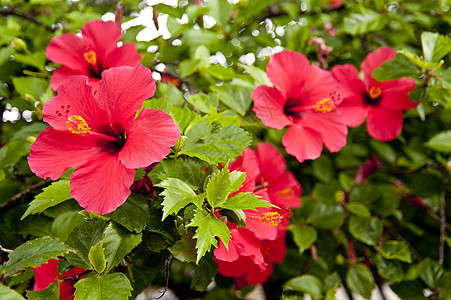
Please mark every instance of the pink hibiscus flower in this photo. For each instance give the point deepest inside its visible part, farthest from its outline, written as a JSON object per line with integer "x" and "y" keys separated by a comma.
{"x": 381, "y": 102}
{"x": 48, "y": 273}
{"x": 99, "y": 136}
{"x": 253, "y": 250}
{"x": 305, "y": 99}
{"x": 91, "y": 54}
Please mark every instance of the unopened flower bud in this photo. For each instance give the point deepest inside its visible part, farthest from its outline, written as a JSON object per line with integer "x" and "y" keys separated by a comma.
{"x": 31, "y": 139}
{"x": 19, "y": 45}
{"x": 180, "y": 144}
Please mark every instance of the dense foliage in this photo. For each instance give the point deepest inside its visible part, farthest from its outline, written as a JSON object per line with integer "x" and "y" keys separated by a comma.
{"x": 374, "y": 203}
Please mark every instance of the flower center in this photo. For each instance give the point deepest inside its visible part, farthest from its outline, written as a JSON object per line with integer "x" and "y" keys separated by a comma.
{"x": 271, "y": 218}
{"x": 90, "y": 57}
{"x": 374, "y": 92}
{"x": 77, "y": 125}
{"x": 325, "y": 105}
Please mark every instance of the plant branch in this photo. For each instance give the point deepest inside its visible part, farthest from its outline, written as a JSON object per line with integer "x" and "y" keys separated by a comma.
{"x": 441, "y": 250}
{"x": 25, "y": 192}
{"x": 437, "y": 218}
{"x": 5, "y": 250}
{"x": 10, "y": 11}
{"x": 401, "y": 238}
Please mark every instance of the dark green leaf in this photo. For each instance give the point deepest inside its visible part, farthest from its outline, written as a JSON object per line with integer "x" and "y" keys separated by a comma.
{"x": 204, "y": 273}
{"x": 133, "y": 214}
{"x": 430, "y": 272}
{"x": 364, "y": 21}
{"x": 396, "y": 68}
{"x": 366, "y": 230}
{"x": 184, "y": 249}
{"x": 435, "y": 46}
{"x": 389, "y": 269}
{"x": 360, "y": 280}
{"x": 119, "y": 242}
{"x": 111, "y": 286}
{"x": 34, "y": 253}
{"x": 396, "y": 250}
{"x": 309, "y": 284}
{"x": 303, "y": 236}
{"x": 441, "y": 142}
{"x": 326, "y": 216}
{"x": 50, "y": 293}
{"x": 358, "y": 209}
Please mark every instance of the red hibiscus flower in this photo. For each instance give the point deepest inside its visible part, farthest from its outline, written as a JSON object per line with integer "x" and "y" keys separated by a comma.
{"x": 91, "y": 54}
{"x": 99, "y": 136}
{"x": 367, "y": 169}
{"x": 304, "y": 99}
{"x": 381, "y": 102}
{"x": 253, "y": 250}
{"x": 48, "y": 273}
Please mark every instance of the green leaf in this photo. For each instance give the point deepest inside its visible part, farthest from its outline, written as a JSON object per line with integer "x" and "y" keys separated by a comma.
{"x": 236, "y": 180}
{"x": 384, "y": 150}
{"x": 218, "y": 147}
{"x": 235, "y": 94}
{"x": 441, "y": 142}
{"x": 446, "y": 78}
{"x": 133, "y": 214}
{"x": 8, "y": 294}
{"x": 34, "y": 253}
{"x": 184, "y": 249}
{"x": 112, "y": 286}
{"x": 245, "y": 201}
{"x": 364, "y": 21}
{"x": 303, "y": 236}
{"x": 204, "y": 273}
{"x": 389, "y": 269}
{"x": 30, "y": 86}
{"x": 119, "y": 242}
{"x": 57, "y": 192}
{"x": 309, "y": 284}
{"x": 82, "y": 238}
{"x": 204, "y": 101}
{"x": 208, "y": 228}
{"x": 257, "y": 74}
{"x": 65, "y": 223}
{"x": 358, "y": 209}
{"x": 325, "y": 216}
{"x": 5, "y": 53}
{"x": 50, "y": 293}
{"x": 360, "y": 280}
{"x": 97, "y": 257}
{"x": 430, "y": 272}
{"x": 172, "y": 92}
{"x": 435, "y": 46}
{"x": 220, "y": 10}
{"x": 397, "y": 250}
{"x": 220, "y": 72}
{"x": 323, "y": 169}
{"x": 218, "y": 188}
{"x": 396, "y": 68}
{"x": 366, "y": 230}
{"x": 177, "y": 194}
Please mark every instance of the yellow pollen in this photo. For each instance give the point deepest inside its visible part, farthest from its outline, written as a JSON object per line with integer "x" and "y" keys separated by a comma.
{"x": 271, "y": 218}
{"x": 325, "y": 105}
{"x": 77, "y": 125}
{"x": 285, "y": 194}
{"x": 375, "y": 92}
{"x": 90, "y": 57}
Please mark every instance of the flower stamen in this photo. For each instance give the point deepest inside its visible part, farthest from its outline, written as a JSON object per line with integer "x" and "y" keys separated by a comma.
{"x": 271, "y": 218}
{"x": 90, "y": 57}
{"x": 77, "y": 125}
{"x": 374, "y": 92}
{"x": 325, "y": 105}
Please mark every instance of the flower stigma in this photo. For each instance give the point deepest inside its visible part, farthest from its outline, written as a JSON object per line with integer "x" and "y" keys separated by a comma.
{"x": 374, "y": 92}
{"x": 77, "y": 125}
{"x": 325, "y": 105}
{"x": 90, "y": 57}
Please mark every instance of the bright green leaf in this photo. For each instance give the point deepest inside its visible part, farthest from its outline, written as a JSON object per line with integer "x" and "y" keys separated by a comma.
{"x": 112, "y": 286}
{"x": 203, "y": 101}
{"x": 396, "y": 68}
{"x": 358, "y": 209}
{"x": 366, "y": 230}
{"x": 441, "y": 142}
{"x": 303, "y": 236}
{"x": 257, "y": 74}
{"x": 97, "y": 257}
{"x": 245, "y": 201}
{"x": 8, "y": 294}
{"x": 365, "y": 21}
{"x": 435, "y": 46}
{"x": 396, "y": 250}
{"x": 220, "y": 10}
{"x": 309, "y": 284}
{"x": 219, "y": 188}
{"x": 360, "y": 280}
{"x": 389, "y": 269}
{"x": 430, "y": 272}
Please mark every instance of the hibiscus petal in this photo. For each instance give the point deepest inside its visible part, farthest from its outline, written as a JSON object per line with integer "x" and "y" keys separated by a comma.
{"x": 375, "y": 59}
{"x": 353, "y": 112}
{"x": 395, "y": 94}
{"x": 288, "y": 70}
{"x": 320, "y": 85}
{"x": 384, "y": 124}
{"x": 246, "y": 162}
{"x": 269, "y": 107}
{"x": 274, "y": 251}
{"x": 46, "y": 274}
{"x": 68, "y": 50}
{"x": 149, "y": 139}
{"x": 123, "y": 90}
{"x": 256, "y": 275}
{"x": 74, "y": 98}
{"x": 348, "y": 77}
{"x": 259, "y": 222}
{"x": 102, "y": 184}
{"x": 331, "y": 127}
{"x": 284, "y": 191}
{"x": 232, "y": 269}
{"x": 302, "y": 143}
{"x": 54, "y": 152}
{"x": 270, "y": 161}
{"x": 232, "y": 253}
{"x": 62, "y": 74}
{"x": 103, "y": 36}
{"x": 126, "y": 55}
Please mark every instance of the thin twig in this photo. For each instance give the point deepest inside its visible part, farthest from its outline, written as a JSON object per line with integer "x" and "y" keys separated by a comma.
{"x": 25, "y": 192}
{"x": 167, "y": 263}
{"x": 441, "y": 250}
{"x": 401, "y": 238}
{"x": 7, "y": 10}
{"x": 190, "y": 86}
{"x": 437, "y": 218}
{"x": 5, "y": 250}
